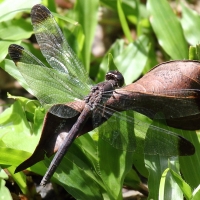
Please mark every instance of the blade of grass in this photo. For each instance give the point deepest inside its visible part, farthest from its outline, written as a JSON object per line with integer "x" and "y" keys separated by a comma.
{"x": 186, "y": 189}
{"x": 87, "y": 17}
{"x": 123, "y": 21}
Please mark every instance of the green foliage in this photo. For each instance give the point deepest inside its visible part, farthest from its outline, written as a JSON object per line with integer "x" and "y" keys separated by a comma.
{"x": 91, "y": 169}
{"x": 4, "y": 192}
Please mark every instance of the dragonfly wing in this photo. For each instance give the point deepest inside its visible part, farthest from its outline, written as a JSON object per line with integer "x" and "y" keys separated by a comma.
{"x": 119, "y": 134}
{"x": 55, "y": 48}
{"x": 172, "y": 103}
{"x": 48, "y": 85}
{"x": 124, "y": 131}
{"x": 63, "y": 111}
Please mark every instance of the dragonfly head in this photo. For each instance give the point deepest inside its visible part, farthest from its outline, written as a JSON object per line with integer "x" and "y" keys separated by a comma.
{"x": 116, "y": 76}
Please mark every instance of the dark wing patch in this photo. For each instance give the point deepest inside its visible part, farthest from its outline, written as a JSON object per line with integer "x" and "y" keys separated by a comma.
{"x": 15, "y": 52}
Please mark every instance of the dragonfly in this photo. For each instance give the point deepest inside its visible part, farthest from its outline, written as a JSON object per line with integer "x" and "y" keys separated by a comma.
{"x": 67, "y": 81}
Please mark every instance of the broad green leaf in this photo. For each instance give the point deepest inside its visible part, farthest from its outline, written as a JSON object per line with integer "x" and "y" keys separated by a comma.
{"x": 190, "y": 22}
{"x": 9, "y": 8}
{"x": 76, "y": 170}
{"x": 167, "y": 29}
{"x": 29, "y": 105}
{"x": 152, "y": 59}
{"x": 12, "y": 157}
{"x": 132, "y": 60}
{"x": 159, "y": 183}
{"x": 15, "y": 30}
{"x": 116, "y": 49}
{"x": 156, "y": 165}
{"x": 73, "y": 172}
{"x": 169, "y": 185}
{"x": 16, "y": 130}
{"x": 138, "y": 161}
{"x": 113, "y": 166}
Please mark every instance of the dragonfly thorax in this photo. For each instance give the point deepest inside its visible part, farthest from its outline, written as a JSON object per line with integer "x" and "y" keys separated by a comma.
{"x": 114, "y": 79}
{"x": 94, "y": 97}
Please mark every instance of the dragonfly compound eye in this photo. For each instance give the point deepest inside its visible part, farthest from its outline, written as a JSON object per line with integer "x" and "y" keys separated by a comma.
{"x": 116, "y": 76}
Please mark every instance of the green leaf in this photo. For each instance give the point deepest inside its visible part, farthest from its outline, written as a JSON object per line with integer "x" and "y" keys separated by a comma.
{"x": 159, "y": 182}
{"x": 111, "y": 64}
{"x": 185, "y": 188}
{"x": 189, "y": 164}
{"x": 162, "y": 184}
{"x": 13, "y": 156}
{"x": 132, "y": 180}
{"x": 4, "y": 192}
{"x": 3, "y": 174}
{"x": 4, "y": 49}
{"x": 9, "y": 8}
{"x": 116, "y": 49}
{"x": 16, "y": 130}
{"x": 156, "y": 165}
{"x": 78, "y": 167}
{"x": 51, "y": 5}
{"x": 194, "y": 52}
{"x": 196, "y": 193}
{"x": 130, "y": 9}
{"x": 132, "y": 60}
{"x": 66, "y": 19}
{"x": 167, "y": 29}
{"x": 113, "y": 166}
{"x": 123, "y": 21}
{"x": 190, "y": 22}
{"x": 20, "y": 179}
{"x": 85, "y": 171}
{"x": 15, "y": 30}
{"x": 28, "y": 104}
{"x": 87, "y": 17}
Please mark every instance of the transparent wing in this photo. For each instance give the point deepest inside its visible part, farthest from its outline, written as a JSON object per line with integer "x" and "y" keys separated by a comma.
{"x": 54, "y": 47}
{"x": 48, "y": 85}
{"x": 172, "y": 103}
{"x": 124, "y": 131}
{"x": 63, "y": 111}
